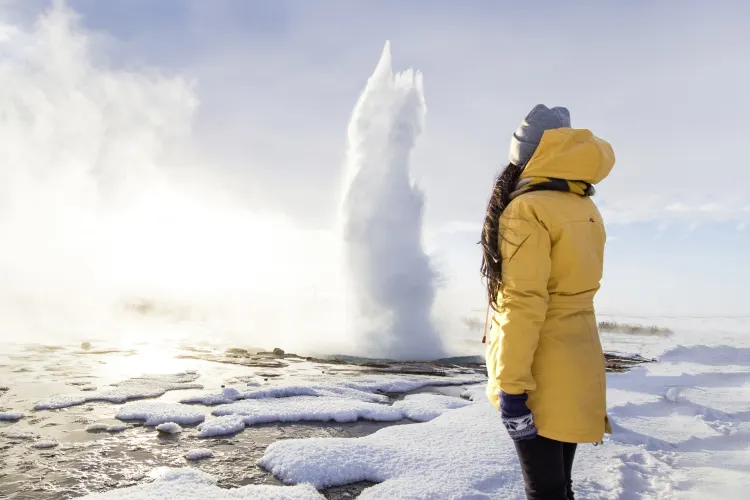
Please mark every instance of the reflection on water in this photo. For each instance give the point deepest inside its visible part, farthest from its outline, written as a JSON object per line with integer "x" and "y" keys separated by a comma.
{"x": 154, "y": 360}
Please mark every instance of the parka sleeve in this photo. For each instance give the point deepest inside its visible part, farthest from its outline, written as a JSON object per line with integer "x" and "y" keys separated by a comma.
{"x": 525, "y": 247}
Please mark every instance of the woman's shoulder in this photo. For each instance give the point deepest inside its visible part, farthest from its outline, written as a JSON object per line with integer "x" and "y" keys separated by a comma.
{"x": 528, "y": 205}
{"x": 552, "y": 207}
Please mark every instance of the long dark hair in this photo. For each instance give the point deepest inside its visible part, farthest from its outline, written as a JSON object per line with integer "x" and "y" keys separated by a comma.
{"x": 492, "y": 261}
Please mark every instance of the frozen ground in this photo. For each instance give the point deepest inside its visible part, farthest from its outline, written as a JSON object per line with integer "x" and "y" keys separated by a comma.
{"x": 682, "y": 426}
{"x": 77, "y": 421}
{"x": 682, "y": 430}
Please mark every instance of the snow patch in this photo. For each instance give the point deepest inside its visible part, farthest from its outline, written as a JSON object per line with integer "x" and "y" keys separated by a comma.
{"x": 221, "y": 426}
{"x": 475, "y": 393}
{"x": 333, "y": 389}
{"x": 199, "y": 454}
{"x": 364, "y": 388}
{"x": 405, "y": 383}
{"x": 10, "y": 416}
{"x": 425, "y": 407}
{"x": 188, "y": 474}
{"x": 169, "y": 428}
{"x": 98, "y": 427}
{"x": 423, "y": 457}
{"x": 154, "y": 413}
{"x": 329, "y": 399}
{"x": 19, "y": 435}
{"x": 422, "y": 461}
{"x": 146, "y": 386}
{"x": 226, "y": 395}
{"x": 294, "y": 409}
{"x": 105, "y": 427}
{"x": 45, "y": 444}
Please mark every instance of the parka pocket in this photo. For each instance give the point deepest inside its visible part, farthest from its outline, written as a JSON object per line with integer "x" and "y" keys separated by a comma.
{"x": 518, "y": 244}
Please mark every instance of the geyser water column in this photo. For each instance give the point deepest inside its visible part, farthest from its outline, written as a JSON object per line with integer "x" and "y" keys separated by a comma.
{"x": 391, "y": 282}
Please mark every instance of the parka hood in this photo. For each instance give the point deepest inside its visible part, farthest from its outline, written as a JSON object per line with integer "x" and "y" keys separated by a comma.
{"x": 571, "y": 154}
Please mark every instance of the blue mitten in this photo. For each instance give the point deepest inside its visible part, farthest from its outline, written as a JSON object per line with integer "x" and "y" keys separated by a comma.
{"x": 518, "y": 420}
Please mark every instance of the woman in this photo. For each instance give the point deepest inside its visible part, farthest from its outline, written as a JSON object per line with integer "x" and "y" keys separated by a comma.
{"x": 543, "y": 245}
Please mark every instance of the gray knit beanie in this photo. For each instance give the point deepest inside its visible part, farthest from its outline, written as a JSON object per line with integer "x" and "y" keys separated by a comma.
{"x": 526, "y": 139}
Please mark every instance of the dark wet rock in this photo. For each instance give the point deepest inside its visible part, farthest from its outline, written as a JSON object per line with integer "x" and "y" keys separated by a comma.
{"x": 194, "y": 349}
{"x": 404, "y": 369}
{"x": 278, "y": 353}
{"x": 618, "y": 363}
{"x": 4, "y": 389}
{"x": 331, "y": 360}
{"x": 345, "y": 492}
{"x": 348, "y": 365}
{"x": 237, "y": 352}
{"x": 398, "y": 368}
{"x": 57, "y": 368}
{"x": 253, "y": 362}
{"x": 17, "y": 436}
{"x": 378, "y": 366}
{"x": 462, "y": 360}
{"x": 79, "y": 383}
{"x": 45, "y": 348}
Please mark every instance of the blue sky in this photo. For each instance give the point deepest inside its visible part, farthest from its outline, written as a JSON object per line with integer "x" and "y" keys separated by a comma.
{"x": 665, "y": 84}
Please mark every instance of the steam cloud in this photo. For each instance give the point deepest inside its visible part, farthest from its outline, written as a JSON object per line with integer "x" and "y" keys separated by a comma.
{"x": 390, "y": 276}
{"x": 102, "y": 228}
{"x": 105, "y": 235}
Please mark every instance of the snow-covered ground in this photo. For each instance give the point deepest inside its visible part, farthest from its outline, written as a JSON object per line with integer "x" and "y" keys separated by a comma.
{"x": 682, "y": 424}
{"x": 682, "y": 430}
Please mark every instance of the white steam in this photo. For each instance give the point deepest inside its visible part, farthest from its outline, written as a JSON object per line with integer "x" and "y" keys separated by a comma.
{"x": 390, "y": 276}
{"x": 96, "y": 232}
{"x": 106, "y": 231}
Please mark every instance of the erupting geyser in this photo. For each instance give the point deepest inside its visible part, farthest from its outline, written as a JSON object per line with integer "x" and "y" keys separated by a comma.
{"x": 105, "y": 236}
{"x": 390, "y": 278}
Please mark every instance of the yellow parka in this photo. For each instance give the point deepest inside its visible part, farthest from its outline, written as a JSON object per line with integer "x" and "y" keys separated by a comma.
{"x": 545, "y": 341}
